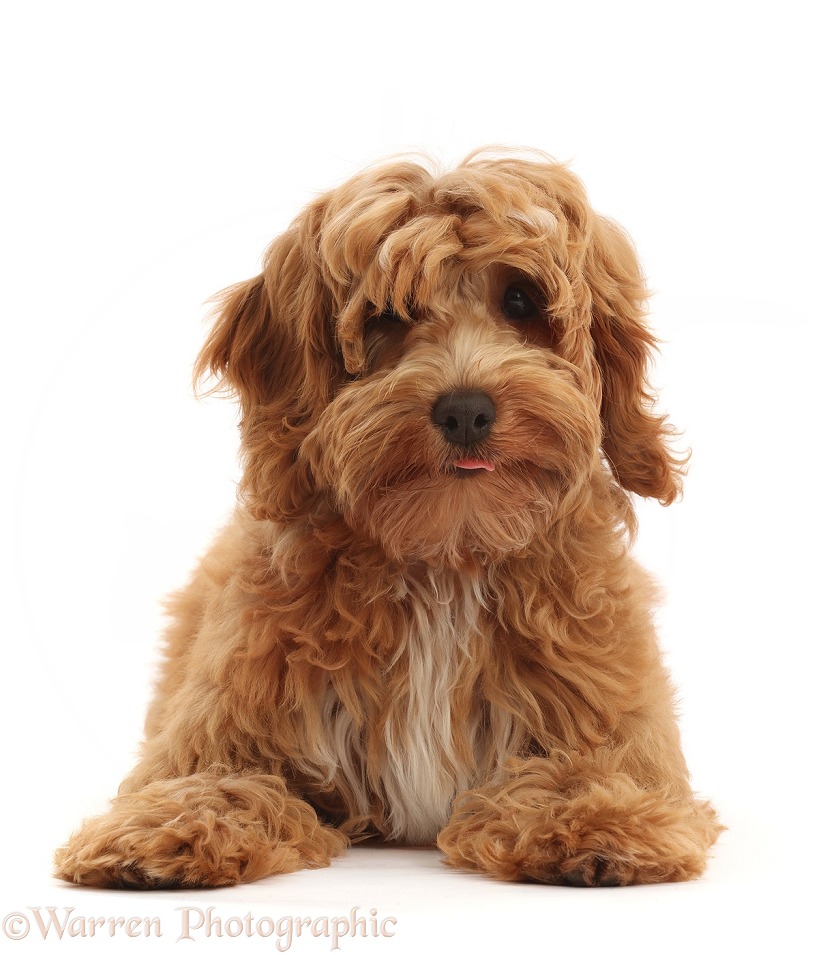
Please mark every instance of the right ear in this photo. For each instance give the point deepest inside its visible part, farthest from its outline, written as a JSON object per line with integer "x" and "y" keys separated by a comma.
{"x": 241, "y": 344}
{"x": 272, "y": 341}
{"x": 272, "y": 345}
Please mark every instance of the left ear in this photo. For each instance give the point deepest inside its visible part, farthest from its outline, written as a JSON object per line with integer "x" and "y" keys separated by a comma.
{"x": 634, "y": 438}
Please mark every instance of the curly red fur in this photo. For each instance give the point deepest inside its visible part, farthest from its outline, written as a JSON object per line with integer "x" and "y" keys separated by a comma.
{"x": 381, "y": 642}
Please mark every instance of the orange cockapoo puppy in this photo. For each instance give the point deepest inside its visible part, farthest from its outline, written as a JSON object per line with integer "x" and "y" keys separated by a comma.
{"x": 423, "y": 622}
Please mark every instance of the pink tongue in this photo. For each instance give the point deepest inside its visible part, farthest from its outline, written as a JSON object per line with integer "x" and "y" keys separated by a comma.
{"x": 473, "y": 464}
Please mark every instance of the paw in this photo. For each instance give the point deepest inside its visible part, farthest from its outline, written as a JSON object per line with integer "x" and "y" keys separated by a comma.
{"x": 604, "y": 831}
{"x": 203, "y": 830}
{"x": 111, "y": 852}
{"x": 595, "y": 871}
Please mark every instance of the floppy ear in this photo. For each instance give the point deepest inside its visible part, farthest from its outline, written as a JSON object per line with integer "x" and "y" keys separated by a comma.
{"x": 242, "y": 344}
{"x": 272, "y": 339}
{"x": 272, "y": 345}
{"x": 634, "y": 438}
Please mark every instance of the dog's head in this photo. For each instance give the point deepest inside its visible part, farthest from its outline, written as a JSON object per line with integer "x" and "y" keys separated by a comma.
{"x": 451, "y": 362}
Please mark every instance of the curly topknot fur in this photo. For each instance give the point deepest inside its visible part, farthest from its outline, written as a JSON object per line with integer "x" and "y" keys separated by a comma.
{"x": 423, "y": 621}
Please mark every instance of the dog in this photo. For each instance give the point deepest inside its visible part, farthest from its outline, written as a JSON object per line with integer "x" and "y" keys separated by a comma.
{"x": 423, "y": 623}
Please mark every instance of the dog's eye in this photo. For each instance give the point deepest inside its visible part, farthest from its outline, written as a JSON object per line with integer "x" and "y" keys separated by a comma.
{"x": 387, "y": 315}
{"x": 390, "y": 316}
{"x": 517, "y": 304}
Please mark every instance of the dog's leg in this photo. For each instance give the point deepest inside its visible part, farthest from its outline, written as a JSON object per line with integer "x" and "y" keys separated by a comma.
{"x": 601, "y": 795}
{"x": 206, "y": 829}
{"x": 207, "y": 804}
{"x": 619, "y": 812}
{"x": 575, "y": 821}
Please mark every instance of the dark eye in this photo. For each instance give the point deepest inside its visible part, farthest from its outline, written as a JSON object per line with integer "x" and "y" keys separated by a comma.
{"x": 517, "y": 304}
{"x": 390, "y": 316}
{"x": 387, "y": 315}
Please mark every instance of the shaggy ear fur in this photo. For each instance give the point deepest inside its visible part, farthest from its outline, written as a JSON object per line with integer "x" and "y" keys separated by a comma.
{"x": 634, "y": 439}
{"x": 273, "y": 346}
{"x": 238, "y": 344}
{"x": 272, "y": 340}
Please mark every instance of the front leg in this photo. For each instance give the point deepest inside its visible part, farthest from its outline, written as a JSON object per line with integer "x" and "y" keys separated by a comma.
{"x": 579, "y": 820}
{"x": 608, "y": 800}
{"x": 207, "y": 804}
{"x": 205, "y": 829}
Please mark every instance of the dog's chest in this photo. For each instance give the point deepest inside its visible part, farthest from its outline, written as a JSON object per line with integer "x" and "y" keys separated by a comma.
{"x": 430, "y": 735}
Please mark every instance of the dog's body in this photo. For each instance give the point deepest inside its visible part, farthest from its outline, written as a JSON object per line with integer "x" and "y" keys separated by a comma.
{"x": 423, "y": 622}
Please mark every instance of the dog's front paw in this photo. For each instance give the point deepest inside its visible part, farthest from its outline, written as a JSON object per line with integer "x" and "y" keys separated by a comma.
{"x": 114, "y": 851}
{"x": 604, "y": 831}
{"x": 202, "y": 830}
{"x": 594, "y": 871}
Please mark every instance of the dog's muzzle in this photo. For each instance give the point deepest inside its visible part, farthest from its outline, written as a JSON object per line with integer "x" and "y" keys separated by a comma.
{"x": 464, "y": 417}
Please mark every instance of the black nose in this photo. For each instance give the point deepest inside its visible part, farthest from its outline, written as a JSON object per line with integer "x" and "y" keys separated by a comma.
{"x": 464, "y": 417}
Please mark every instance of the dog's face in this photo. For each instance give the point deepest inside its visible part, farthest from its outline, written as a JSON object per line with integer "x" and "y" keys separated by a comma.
{"x": 454, "y": 364}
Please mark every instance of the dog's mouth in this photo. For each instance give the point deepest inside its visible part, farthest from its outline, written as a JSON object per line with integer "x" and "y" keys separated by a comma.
{"x": 471, "y": 467}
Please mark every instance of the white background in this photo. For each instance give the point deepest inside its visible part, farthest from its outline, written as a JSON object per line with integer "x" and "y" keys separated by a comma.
{"x": 150, "y": 153}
